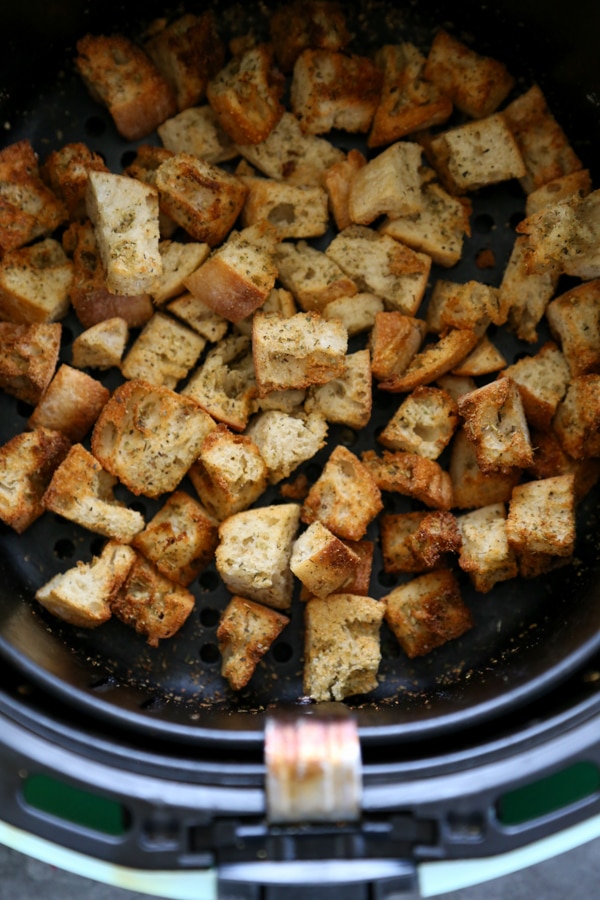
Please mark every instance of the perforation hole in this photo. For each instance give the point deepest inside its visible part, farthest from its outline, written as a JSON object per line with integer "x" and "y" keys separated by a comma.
{"x": 64, "y": 548}
{"x": 209, "y": 653}
{"x": 95, "y": 126}
{"x": 209, "y": 617}
{"x": 208, "y": 581}
{"x": 282, "y": 652}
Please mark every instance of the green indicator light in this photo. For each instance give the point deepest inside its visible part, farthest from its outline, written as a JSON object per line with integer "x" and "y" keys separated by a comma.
{"x": 62, "y": 800}
{"x": 540, "y": 798}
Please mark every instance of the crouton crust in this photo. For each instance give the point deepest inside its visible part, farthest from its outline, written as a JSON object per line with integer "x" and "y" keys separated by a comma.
{"x": 246, "y": 631}
{"x": 411, "y": 475}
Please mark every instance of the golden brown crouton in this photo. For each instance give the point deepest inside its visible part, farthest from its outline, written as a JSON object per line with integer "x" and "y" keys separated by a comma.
{"x": 101, "y": 346}
{"x": 178, "y": 261}
{"x": 423, "y": 423}
{"x": 197, "y": 131}
{"x": 410, "y": 475}
{"x": 394, "y": 341}
{"x": 245, "y": 633}
{"x": 313, "y": 278}
{"x": 471, "y": 486}
{"x": 541, "y": 517}
{"x": 286, "y": 440}
{"x": 389, "y": 184}
{"x": 35, "y": 283}
{"x": 437, "y": 535}
{"x": 191, "y": 310}
{"x": 542, "y": 380}
{"x": 164, "y": 353}
{"x": 524, "y": 295}
{"x": 472, "y": 305}
{"x": 70, "y": 404}
{"x": 321, "y": 561}
{"x": 336, "y": 180}
{"x": 574, "y": 320}
{"x": 224, "y": 385}
{"x": 434, "y": 360}
{"x": 486, "y": 554}
{"x": 29, "y": 357}
{"x": 484, "y": 359}
{"x": 66, "y": 171}
{"x": 398, "y": 553}
{"x": 348, "y": 398}
{"x": 304, "y": 24}
{"x": 577, "y": 419}
{"x": 356, "y": 312}
{"x": 578, "y": 183}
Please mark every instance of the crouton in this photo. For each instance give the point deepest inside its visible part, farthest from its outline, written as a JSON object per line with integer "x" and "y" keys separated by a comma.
{"x": 286, "y": 440}
{"x": 341, "y": 646}
{"x": 225, "y": 385}
{"x": 101, "y": 346}
{"x": 27, "y": 462}
{"x": 254, "y": 551}
{"x": 541, "y": 517}
{"x": 456, "y": 385}
{"x": 345, "y": 498}
{"x": 321, "y": 561}
{"x": 229, "y": 474}
{"x": 144, "y": 167}
{"x": 245, "y": 633}
{"x": 574, "y": 320}
{"x": 408, "y": 102}
{"x": 472, "y": 305}
{"x": 359, "y": 580}
{"x": 35, "y": 283}
{"x": 427, "y": 612}
{"x": 437, "y": 534}
{"x": 494, "y": 420}
{"x": 476, "y": 84}
{"x": 151, "y": 604}
{"x": 178, "y": 261}
{"x": 66, "y": 172}
{"x": 279, "y": 302}
{"x": 124, "y": 213}
{"x": 346, "y": 399}
{"x": 398, "y": 553}
{"x": 542, "y": 380}
{"x": 524, "y": 295}
{"x": 471, "y": 486}
{"x": 394, "y": 341}
{"x": 389, "y": 184}
{"x": 82, "y": 595}
{"x": 197, "y": 131}
{"x": 164, "y": 353}
{"x": 486, "y": 554}
{"x": 312, "y": 277}
{"x": 356, "y": 312}
{"x": 434, "y": 360}
{"x": 120, "y": 76}
{"x": 246, "y": 95}
{"x": 411, "y": 475}
{"x": 83, "y": 492}
{"x": 148, "y": 436}
{"x": 484, "y": 359}
{"x": 29, "y": 358}
{"x": 307, "y": 24}
{"x": 294, "y": 211}
{"x": 578, "y": 183}
{"x": 423, "y": 423}
{"x": 70, "y": 404}
{"x": 191, "y": 310}
{"x": 550, "y": 459}
{"x": 577, "y": 419}
{"x": 336, "y": 180}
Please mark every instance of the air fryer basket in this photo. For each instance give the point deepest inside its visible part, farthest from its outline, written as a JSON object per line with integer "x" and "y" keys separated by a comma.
{"x": 528, "y": 638}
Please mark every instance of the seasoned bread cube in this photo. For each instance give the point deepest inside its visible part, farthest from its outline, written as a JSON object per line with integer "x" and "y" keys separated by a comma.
{"x": 229, "y": 474}
{"x": 476, "y": 84}
{"x": 494, "y": 420}
{"x": 178, "y": 261}
{"x": 164, "y": 353}
{"x": 245, "y": 633}
{"x": 524, "y": 295}
{"x": 486, "y": 554}
{"x": 144, "y": 167}
{"x": 124, "y": 213}
{"x": 224, "y": 385}
{"x": 336, "y": 180}
{"x": 541, "y": 517}
{"x": 149, "y": 436}
{"x": 296, "y": 351}
{"x": 423, "y": 423}
{"x": 27, "y": 462}
{"x": 472, "y": 305}
{"x": 187, "y": 51}
{"x": 577, "y": 419}
{"x": 28, "y": 359}
{"x": 304, "y": 24}
{"x": 389, "y": 184}
{"x": 408, "y": 102}
{"x": 82, "y": 595}
{"x": 312, "y": 277}
{"x": 484, "y": 359}
{"x": 345, "y": 498}
{"x": 239, "y": 275}
{"x": 286, "y": 440}
{"x": 436, "y": 535}
{"x": 152, "y": 604}
{"x": 550, "y": 459}
{"x": 197, "y": 131}
{"x": 574, "y": 320}
{"x": 333, "y": 90}
{"x": 35, "y": 283}
{"x": 70, "y": 404}
{"x": 321, "y": 561}
{"x": 191, "y": 310}
{"x": 427, "y": 612}
{"x": 246, "y": 95}
{"x": 66, "y": 172}
{"x": 180, "y": 539}
{"x": 101, "y": 346}
{"x": 294, "y": 211}
{"x": 120, "y": 76}
{"x": 411, "y": 475}
{"x": 341, "y": 646}
{"x": 394, "y": 341}
{"x": 356, "y": 312}
{"x": 348, "y": 398}
{"x": 279, "y": 302}
{"x": 398, "y": 552}
{"x": 254, "y": 551}
{"x": 434, "y": 360}
{"x": 542, "y": 380}
{"x": 472, "y": 487}
{"x": 578, "y": 183}
{"x": 456, "y": 385}
{"x": 83, "y": 492}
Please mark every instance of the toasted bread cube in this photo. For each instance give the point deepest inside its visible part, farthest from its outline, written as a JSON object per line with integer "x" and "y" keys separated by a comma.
{"x": 542, "y": 380}
{"x": 577, "y": 419}
{"x": 151, "y": 603}
{"x": 321, "y": 561}
{"x": 225, "y": 385}
{"x": 471, "y": 305}
{"x": 494, "y": 420}
{"x": 549, "y": 459}
{"x": 543, "y": 144}
{"x": 120, "y": 76}
{"x": 245, "y": 633}
{"x": 394, "y": 341}
{"x": 574, "y": 320}
{"x": 408, "y": 101}
{"x": 35, "y": 283}
{"x": 471, "y": 156}
{"x": 348, "y": 398}
{"x": 524, "y": 295}
{"x": 148, "y": 436}
{"x": 297, "y": 351}
{"x": 294, "y": 211}
{"x": 436, "y": 536}
{"x": 180, "y": 539}
{"x": 356, "y": 312}
{"x": 164, "y": 353}
{"x": 434, "y": 360}
{"x": 27, "y": 462}
{"x": 456, "y": 385}
{"x": 82, "y": 595}
{"x": 279, "y": 302}
{"x": 229, "y": 474}
{"x": 239, "y": 275}
{"x": 191, "y": 310}
{"x": 411, "y": 475}
{"x": 486, "y": 554}
{"x": 389, "y": 184}
{"x": 188, "y": 52}
{"x": 83, "y": 492}
{"x": 197, "y": 131}
{"x": 29, "y": 358}
{"x": 380, "y": 265}
{"x": 345, "y": 498}
{"x": 359, "y": 581}
{"x": 253, "y": 556}
{"x": 304, "y": 24}
{"x": 144, "y": 167}
{"x": 101, "y": 346}
{"x": 66, "y": 172}
{"x": 246, "y": 95}
{"x": 332, "y": 90}
{"x": 288, "y": 154}
{"x": 312, "y": 277}
{"x": 427, "y": 612}
{"x": 541, "y": 517}
{"x": 484, "y": 359}
{"x": 286, "y": 440}
{"x": 178, "y": 261}
{"x": 472, "y": 487}
{"x": 476, "y": 84}
{"x": 398, "y": 553}
{"x": 29, "y": 208}
{"x": 70, "y": 404}
{"x": 341, "y": 646}
{"x": 125, "y": 217}
{"x": 438, "y": 229}
{"x": 575, "y": 184}
{"x": 423, "y": 423}
{"x": 336, "y": 180}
